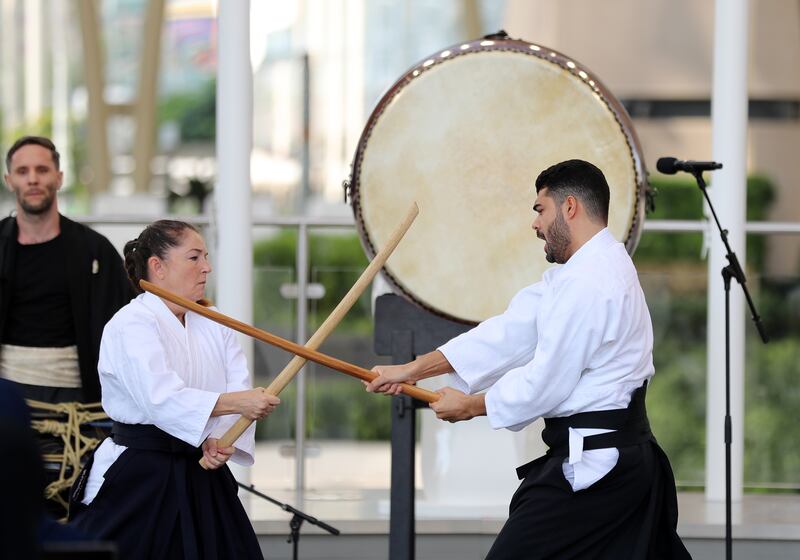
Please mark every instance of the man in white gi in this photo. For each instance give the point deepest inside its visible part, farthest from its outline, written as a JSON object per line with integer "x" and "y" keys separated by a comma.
{"x": 576, "y": 349}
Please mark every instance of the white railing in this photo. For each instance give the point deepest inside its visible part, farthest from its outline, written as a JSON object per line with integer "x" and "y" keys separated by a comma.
{"x": 303, "y": 223}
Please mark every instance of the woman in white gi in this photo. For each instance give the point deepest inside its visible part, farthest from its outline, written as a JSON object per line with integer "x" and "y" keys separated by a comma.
{"x": 173, "y": 382}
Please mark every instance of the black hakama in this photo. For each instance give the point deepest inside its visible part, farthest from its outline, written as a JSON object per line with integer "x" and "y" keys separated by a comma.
{"x": 157, "y": 502}
{"x": 631, "y": 513}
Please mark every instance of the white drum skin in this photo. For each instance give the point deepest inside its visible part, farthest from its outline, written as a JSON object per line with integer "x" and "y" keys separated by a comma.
{"x": 464, "y": 134}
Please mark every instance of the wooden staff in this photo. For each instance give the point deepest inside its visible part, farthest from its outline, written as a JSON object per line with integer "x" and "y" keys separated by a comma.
{"x": 269, "y": 338}
{"x": 334, "y": 363}
{"x": 294, "y": 366}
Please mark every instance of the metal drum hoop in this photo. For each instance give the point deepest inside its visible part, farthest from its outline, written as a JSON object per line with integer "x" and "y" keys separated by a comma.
{"x": 492, "y": 43}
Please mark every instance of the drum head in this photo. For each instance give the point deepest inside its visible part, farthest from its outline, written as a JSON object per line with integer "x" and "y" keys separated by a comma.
{"x": 464, "y": 134}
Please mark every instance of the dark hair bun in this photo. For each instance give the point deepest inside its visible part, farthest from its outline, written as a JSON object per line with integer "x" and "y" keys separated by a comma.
{"x": 156, "y": 239}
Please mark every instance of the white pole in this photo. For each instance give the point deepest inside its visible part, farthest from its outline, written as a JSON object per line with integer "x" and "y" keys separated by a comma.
{"x": 300, "y": 381}
{"x": 94, "y": 76}
{"x": 144, "y": 112}
{"x": 34, "y": 65}
{"x": 232, "y": 195}
{"x": 60, "y": 61}
{"x": 10, "y": 67}
{"x": 729, "y": 137}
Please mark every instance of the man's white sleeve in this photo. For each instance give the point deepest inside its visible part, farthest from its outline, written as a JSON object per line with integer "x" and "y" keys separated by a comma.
{"x": 483, "y": 354}
{"x": 572, "y": 328}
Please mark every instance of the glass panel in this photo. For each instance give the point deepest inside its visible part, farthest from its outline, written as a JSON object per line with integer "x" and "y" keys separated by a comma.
{"x": 772, "y": 398}
{"x": 275, "y": 267}
{"x": 676, "y": 397}
{"x": 673, "y": 277}
{"x": 348, "y": 429}
{"x": 675, "y": 286}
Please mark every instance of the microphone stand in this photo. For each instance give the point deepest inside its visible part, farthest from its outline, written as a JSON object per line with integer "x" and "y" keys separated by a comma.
{"x": 295, "y": 522}
{"x": 735, "y": 271}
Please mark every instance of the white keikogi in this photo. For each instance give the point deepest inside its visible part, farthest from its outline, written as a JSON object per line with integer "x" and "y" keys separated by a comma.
{"x": 154, "y": 370}
{"x": 580, "y": 340}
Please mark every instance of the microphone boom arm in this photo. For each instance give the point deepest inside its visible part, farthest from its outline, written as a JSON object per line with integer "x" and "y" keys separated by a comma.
{"x": 734, "y": 268}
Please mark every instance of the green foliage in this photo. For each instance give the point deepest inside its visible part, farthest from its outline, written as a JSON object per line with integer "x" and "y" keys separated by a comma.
{"x": 281, "y": 423}
{"x": 778, "y": 302}
{"x": 674, "y": 278}
{"x": 676, "y": 396}
{"x": 676, "y": 406}
{"x": 772, "y": 392}
{"x": 340, "y": 408}
{"x": 658, "y": 248}
{"x": 195, "y": 113}
{"x": 279, "y": 250}
{"x": 676, "y": 400}
{"x": 681, "y": 199}
{"x": 336, "y": 256}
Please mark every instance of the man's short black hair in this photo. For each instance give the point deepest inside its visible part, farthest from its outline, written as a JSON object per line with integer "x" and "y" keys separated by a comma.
{"x": 35, "y": 141}
{"x": 580, "y": 179}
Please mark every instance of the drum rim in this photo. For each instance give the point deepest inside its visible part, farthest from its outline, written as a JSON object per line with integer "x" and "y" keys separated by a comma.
{"x": 494, "y": 43}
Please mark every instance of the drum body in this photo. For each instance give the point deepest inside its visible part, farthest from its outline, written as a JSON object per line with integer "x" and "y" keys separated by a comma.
{"x": 465, "y": 134}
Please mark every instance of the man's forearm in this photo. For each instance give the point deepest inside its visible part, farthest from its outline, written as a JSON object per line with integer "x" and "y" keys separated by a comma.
{"x": 227, "y": 403}
{"x": 430, "y": 365}
{"x": 477, "y": 405}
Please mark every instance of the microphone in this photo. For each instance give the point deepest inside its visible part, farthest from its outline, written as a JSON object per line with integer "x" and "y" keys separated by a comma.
{"x": 670, "y": 166}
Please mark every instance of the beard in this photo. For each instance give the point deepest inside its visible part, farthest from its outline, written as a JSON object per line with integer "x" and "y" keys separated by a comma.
{"x": 39, "y": 208}
{"x": 557, "y": 241}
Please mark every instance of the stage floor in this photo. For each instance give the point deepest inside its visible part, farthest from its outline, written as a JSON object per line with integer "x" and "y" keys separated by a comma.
{"x": 348, "y": 488}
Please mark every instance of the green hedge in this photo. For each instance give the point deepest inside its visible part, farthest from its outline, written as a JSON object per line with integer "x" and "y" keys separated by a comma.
{"x": 336, "y": 258}
{"x": 195, "y": 113}
{"x": 682, "y": 199}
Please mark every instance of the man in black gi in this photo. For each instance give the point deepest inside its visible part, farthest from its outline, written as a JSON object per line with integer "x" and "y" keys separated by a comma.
{"x": 60, "y": 282}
